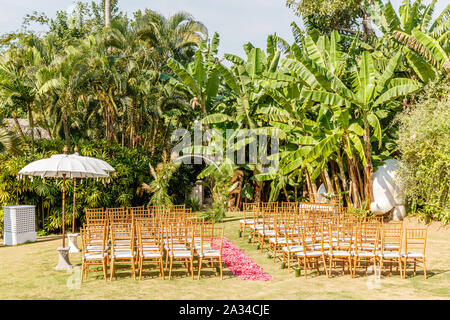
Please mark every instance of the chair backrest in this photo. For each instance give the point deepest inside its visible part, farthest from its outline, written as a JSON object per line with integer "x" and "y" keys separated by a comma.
{"x": 96, "y": 215}
{"x": 94, "y": 237}
{"x": 118, "y": 215}
{"x": 149, "y": 234}
{"x": 122, "y": 231}
{"x": 139, "y": 213}
{"x": 416, "y": 240}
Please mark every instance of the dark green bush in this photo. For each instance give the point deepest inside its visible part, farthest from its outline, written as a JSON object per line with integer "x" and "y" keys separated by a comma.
{"x": 424, "y": 143}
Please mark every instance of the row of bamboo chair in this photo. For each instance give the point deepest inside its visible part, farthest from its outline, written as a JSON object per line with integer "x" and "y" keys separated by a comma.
{"x": 314, "y": 237}
{"x": 138, "y": 235}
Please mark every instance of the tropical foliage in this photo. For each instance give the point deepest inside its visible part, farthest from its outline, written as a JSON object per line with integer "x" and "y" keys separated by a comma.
{"x": 118, "y": 87}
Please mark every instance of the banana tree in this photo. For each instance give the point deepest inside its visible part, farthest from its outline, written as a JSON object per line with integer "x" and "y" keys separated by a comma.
{"x": 424, "y": 39}
{"x": 371, "y": 90}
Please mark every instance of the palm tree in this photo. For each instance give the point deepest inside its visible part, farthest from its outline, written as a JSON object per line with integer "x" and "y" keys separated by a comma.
{"x": 66, "y": 78}
{"x": 177, "y": 36}
{"x": 17, "y": 90}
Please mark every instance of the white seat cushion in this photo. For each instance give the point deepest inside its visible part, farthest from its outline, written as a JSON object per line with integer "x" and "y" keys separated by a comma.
{"x": 389, "y": 254}
{"x": 180, "y": 254}
{"x": 198, "y": 246}
{"x": 411, "y": 254}
{"x": 95, "y": 256}
{"x": 97, "y": 248}
{"x": 292, "y": 249}
{"x": 210, "y": 253}
{"x": 338, "y": 253}
{"x": 150, "y": 254}
{"x": 280, "y": 240}
{"x": 267, "y": 232}
{"x": 391, "y": 246}
{"x": 363, "y": 254}
{"x": 309, "y": 253}
{"x": 124, "y": 254}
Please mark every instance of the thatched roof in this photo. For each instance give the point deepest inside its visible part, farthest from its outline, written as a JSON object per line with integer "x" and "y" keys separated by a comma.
{"x": 39, "y": 133}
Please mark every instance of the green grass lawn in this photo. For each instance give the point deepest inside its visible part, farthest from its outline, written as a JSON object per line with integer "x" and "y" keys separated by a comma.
{"x": 27, "y": 272}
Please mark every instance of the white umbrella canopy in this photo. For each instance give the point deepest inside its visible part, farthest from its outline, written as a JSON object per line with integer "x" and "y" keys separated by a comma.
{"x": 98, "y": 163}
{"x": 67, "y": 166}
{"x": 60, "y": 165}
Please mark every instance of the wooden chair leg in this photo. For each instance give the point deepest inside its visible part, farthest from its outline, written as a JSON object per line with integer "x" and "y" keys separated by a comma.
{"x": 221, "y": 268}
{"x": 305, "y": 266}
{"x": 199, "y": 267}
{"x": 105, "y": 266}
{"x": 141, "y": 264}
{"x": 404, "y": 268}
{"x": 324, "y": 264}
{"x": 170, "y": 268}
{"x": 133, "y": 268}
{"x": 113, "y": 266}
{"x": 82, "y": 270}
{"x": 330, "y": 269}
{"x": 192, "y": 267}
{"x": 161, "y": 267}
{"x": 400, "y": 267}
{"x": 424, "y": 268}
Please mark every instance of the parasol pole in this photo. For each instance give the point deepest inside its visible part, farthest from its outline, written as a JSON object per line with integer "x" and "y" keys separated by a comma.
{"x": 63, "y": 208}
{"x": 74, "y": 196}
{"x": 63, "y": 203}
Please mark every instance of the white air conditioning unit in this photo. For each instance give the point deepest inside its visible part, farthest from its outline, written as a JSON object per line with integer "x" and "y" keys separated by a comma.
{"x": 19, "y": 225}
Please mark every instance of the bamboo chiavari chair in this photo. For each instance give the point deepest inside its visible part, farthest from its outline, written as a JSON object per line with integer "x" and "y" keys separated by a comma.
{"x": 279, "y": 239}
{"x": 150, "y": 245}
{"x": 415, "y": 247}
{"x": 340, "y": 244}
{"x": 122, "y": 246}
{"x": 267, "y": 226}
{"x": 365, "y": 245}
{"x": 293, "y": 242}
{"x": 313, "y": 248}
{"x": 248, "y": 209}
{"x": 94, "y": 239}
{"x": 208, "y": 234}
{"x": 257, "y": 224}
{"x": 177, "y": 248}
{"x": 391, "y": 246}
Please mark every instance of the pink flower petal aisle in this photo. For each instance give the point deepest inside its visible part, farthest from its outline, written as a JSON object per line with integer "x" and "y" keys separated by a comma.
{"x": 239, "y": 263}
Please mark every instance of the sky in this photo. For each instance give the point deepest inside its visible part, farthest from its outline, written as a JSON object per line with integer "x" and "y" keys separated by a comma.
{"x": 237, "y": 21}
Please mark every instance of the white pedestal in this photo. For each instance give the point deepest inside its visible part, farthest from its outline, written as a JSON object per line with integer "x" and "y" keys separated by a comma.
{"x": 63, "y": 259}
{"x": 73, "y": 245}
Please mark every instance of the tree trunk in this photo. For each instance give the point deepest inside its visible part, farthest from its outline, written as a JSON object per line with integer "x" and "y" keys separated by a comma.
{"x": 108, "y": 13}
{"x": 18, "y": 127}
{"x": 330, "y": 188}
{"x": 155, "y": 133}
{"x": 31, "y": 123}
{"x": 66, "y": 128}
{"x": 354, "y": 183}
{"x": 335, "y": 178}
{"x": 368, "y": 168}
